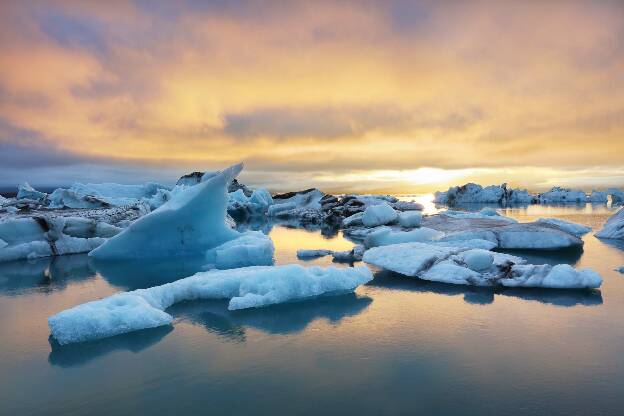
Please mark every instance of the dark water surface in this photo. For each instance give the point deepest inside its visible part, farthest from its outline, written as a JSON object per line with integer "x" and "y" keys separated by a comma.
{"x": 396, "y": 346}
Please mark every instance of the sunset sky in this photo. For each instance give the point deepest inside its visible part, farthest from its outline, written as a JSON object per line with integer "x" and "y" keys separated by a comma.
{"x": 395, "y": 96}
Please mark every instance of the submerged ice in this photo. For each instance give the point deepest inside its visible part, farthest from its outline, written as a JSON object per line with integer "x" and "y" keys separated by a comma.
{"x": 249, "y": 287}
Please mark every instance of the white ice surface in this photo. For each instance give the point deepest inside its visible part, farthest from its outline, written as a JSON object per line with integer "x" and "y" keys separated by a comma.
{"x": 567, "y": 226}
{"x": 410, "y": 219}
{"x": 249, "y": 287}
{"x": 380, "y": 214}
{"x": 385, "y": 236}
{"x": 459, "y": 265}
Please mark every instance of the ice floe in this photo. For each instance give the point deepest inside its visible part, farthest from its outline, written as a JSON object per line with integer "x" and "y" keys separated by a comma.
{"x": 506, "y": 235}
{"x": 249, "y": 287}
{"x": 567, "y": 226}
{"x": 614, "y": 228}
{"x": 460, "y": 265}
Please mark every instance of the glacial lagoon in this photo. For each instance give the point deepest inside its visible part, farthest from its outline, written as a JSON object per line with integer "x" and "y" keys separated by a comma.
{"x": 398, "y": 344}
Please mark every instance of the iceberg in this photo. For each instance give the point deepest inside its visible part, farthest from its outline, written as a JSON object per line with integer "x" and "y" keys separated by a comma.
{"x": 562, "y": 195}
{"x": 242, "y": 207}
{"x": 598, "y": 197}
{"x": 614, "y": 228}
{"x": 43, "y": 236}
{"x": 381, "y": 214}
{"x": 461, "y": 265}
{"x": 617, "y": 196}
{"x": 25, "y": 191}
{"x": 304, "y": 206}
{"x": 249, "y": 287}
{"x": 190, "y": 224}
{"x": 471, "y": 193}
{"x": 569, "y": 227}
{"x": 101, "y": 195}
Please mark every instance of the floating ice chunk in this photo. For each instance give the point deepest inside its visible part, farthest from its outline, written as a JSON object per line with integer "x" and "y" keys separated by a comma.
{"x": 471, "y": 193}
{"x": 349, "y": 256}
{"x": 312, "y": 254}
{"x": 598, "y": 197}
{"x": 252, "y": 248}
{"x": 249, "y": 287}
{"x": 562, "y": 195}
{"x": 33, "y": 237}
{"x": 355, "y": 219}
{"x": 303, "y": 206}
{"x": 98, "y": 195}
{"x": 241, "y": 206}
{"x": 380, "y": 214}
{"x": 614, "y": 228}
{"x": 478, "y": 260}
{"x": 621, "y": 270}
{"x": 569, "y": 227}
{"x": 25, "y": 191}
{"x": 410, "y": 219}
{"x": 532, "y": 236}
{"x": 408, "y": 258}
{"x": 561, "y": 276}
{"x": 484, "y": 213}
{"x": 458, "y": 265}
{"x": 385, "y": 236}
{"x": 191, "y": 223}
{"x": 617, "y": 196}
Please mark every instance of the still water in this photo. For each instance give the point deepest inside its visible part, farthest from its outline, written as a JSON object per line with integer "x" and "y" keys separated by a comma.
{"x": 396, "y": 346}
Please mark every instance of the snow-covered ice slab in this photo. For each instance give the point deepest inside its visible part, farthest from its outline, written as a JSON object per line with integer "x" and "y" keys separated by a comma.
{"x": 97, "y": 195}
{"x": 461, "y": 265}
{"x": 191, "y": 223}
{"x": 506, "y": 235}
{"x": 567, "y": 226}
{"x": 614, "y": 228}
{"x": 249, "y": 287}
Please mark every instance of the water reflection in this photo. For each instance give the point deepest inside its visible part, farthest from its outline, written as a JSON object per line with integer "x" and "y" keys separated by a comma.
{"x": 619, "y": 244}
{"x": 286, "y": 318}
{"x": 131, "y": 275}
{"x": 45, "y": 274}
{"x": 486, "y": 295}
{"x": 553, "y": 257}
{"x": 81, "y": 353}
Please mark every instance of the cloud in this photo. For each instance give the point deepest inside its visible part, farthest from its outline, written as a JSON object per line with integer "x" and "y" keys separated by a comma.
{"x": 332, "y": 87}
